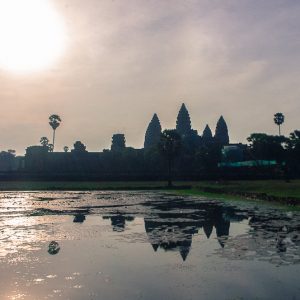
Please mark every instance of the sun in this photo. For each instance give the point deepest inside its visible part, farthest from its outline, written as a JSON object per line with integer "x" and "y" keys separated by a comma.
{"x": 32, "y": 35}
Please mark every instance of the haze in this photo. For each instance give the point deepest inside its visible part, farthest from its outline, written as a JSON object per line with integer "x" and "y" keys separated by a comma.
{"x": 126, "y": 60}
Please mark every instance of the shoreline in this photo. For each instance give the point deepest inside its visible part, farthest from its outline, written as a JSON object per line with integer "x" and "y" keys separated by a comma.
{"x": 272, "y": 191}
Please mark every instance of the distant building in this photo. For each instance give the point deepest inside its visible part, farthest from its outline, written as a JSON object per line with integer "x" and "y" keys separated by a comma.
{"x": 234, "y": 152}
{"x": 35, "y": 158}
{"x": 118, "y": 142}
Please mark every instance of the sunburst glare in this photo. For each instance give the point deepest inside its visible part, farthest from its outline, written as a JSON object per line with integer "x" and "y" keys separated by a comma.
{"x": 32, "y": 35}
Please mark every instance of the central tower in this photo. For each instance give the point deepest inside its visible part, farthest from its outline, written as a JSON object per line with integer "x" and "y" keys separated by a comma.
{"x": 183, "y": 123}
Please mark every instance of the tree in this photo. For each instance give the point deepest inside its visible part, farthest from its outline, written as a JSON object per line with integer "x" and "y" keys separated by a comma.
{"x": 50, "y": 147}
{"x": 267, "y": 147}
{"x": 44, "y": 141}
{"x": 208, "y": 156}
{"x": 295, "y": 139}
{"x": 54, "y": 122}
{"x": 293, "y": 149}
{"x": 170, "y": 146}
{"x": 12, "y": 152}
{"x": 183, "y": 123}
{"x": 279, "y": 120}
{"x": 153, "y": 132}
{"x": 79, "y": 147}
{"x": 221, "y": 133}
{"x": 66, "y": 148}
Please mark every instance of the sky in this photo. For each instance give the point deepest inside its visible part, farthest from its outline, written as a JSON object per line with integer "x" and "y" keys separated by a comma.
{"x": 126, "y": 60}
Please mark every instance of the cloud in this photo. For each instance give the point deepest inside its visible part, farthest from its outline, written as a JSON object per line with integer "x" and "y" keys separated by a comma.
{"x": 129, "y": 59}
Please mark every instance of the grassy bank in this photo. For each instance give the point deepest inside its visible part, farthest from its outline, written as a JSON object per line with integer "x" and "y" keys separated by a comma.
{"x": 271, "y": 190}
{"x": 267, "y": 190}
{"x": 278, "y": 188}
{"x": 85, "y": 185}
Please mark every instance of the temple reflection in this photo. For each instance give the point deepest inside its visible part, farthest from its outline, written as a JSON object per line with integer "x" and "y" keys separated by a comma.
{"x": 171, "y": 225}
{"x": 175, "y": 231}
{"x": 118, "y": 221}
{"x": 79, "y": 218}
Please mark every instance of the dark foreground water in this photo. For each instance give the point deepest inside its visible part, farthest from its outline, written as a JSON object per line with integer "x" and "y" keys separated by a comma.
{"x": 124, "y": 245}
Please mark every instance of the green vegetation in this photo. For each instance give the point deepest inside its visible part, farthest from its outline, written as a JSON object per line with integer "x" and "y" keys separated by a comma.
{"x": 83, "y": 185}
{"x": 271, "y": 190}
{"x": 278, "y": 188}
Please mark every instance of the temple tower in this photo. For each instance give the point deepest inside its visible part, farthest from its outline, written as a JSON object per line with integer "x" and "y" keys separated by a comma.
{"x": 153, "y": 133}
{"x": 118, "y": 142}
{"x": 183, "y": 123}
{"x": 221, "y": 134}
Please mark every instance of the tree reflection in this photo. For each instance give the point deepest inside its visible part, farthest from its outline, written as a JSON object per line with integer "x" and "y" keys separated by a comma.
{"x": 53, "y": 248}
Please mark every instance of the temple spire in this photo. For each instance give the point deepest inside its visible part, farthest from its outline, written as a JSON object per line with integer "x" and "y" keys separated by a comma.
{"x": 221, "y": 134}
{"x": 183, "y": 123}
{"x": 153, "y": 132}
{"x": 207, "y": 134}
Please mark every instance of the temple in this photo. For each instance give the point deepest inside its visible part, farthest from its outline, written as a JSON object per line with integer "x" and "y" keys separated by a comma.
{"x": 199, "y": 153}
{"x": 190, "y": 137}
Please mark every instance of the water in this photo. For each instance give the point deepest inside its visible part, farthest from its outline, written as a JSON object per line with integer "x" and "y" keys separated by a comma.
{"x": 145, "y": 245}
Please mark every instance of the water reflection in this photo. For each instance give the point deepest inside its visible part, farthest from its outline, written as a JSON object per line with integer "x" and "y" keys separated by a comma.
{"x": 118, "y": 221}
{"x": 79, "y": 218}
{"x": 170, "y": 223}
{"x": 53, "y": 248}
{"x": 174, "y": 231}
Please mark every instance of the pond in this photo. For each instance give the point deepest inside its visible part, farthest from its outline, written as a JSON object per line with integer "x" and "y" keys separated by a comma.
{"x": 145, "y": 245}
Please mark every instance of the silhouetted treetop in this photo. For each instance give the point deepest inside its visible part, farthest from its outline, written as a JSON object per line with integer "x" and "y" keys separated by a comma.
{"x": 169, "y": 146}
{"x": 183, "y": 123}
{"x": 170, "y": 143}
{"x": 221, "y": 134}
{"x": 268, "y": 147}
{"x": 44, "y": 141}
{"x": 79, "y": 147}
{"x": 153, "y": 132}
{"x": 54, "y": 121}
{"x": 12, "y": 152}
{"x": 50, "y": 147}
{"x": 279, "y": 120}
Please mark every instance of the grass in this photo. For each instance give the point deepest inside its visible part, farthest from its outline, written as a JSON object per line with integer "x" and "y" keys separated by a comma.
{"x": 81, "y": 185}
{"x": 220, "y": 190}
{"x": 277, "y": 188}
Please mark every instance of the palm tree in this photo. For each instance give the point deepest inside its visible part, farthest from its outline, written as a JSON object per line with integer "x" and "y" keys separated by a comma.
{"x": 278, "y": 120}
{"x": 44, "y": 141}
{"x": 54, "y": 122}
{"x": 170, "y": 146}
{"x": 66, "y": 148}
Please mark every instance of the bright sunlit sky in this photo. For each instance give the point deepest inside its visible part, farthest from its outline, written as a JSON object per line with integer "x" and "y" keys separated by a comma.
{"x": 106, "y": 66}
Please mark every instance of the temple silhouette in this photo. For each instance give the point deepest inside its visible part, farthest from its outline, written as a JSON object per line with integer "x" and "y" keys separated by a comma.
{"x": 190, "y": 137}
{"x": 118, "y": 162}
{"x": 205, "y": 155}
